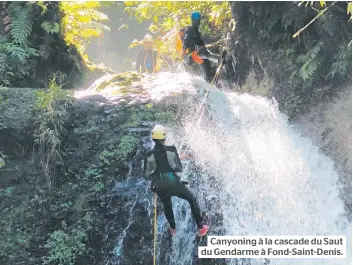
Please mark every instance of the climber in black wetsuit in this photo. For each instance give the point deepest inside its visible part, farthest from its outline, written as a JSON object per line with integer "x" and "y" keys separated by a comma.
{"x": 161, "y": 163}
{"x": 193, "y": 40}
{"x": 146, "y": 60}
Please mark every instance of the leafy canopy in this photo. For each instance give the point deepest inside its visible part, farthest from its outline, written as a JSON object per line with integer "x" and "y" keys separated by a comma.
{"x": 23, "y": 44}
{"x": 168, "y": 16}
{"x": 82, "y": 22}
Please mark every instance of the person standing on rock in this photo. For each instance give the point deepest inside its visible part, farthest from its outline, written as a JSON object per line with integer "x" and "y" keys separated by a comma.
{"x": 161, "y": 163}
{"x": 194, "y": 49}
{"x": 146, "y": 60}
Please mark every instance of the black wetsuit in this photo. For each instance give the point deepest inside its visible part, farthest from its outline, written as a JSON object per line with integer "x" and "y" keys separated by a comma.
{"x": 146, "y": 61}
{"x": 161, "y": 163}
{"x": 193, "y": 38}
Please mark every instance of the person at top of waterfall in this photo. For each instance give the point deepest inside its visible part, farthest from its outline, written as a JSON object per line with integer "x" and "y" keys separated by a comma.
{"x": 161, "y": 164}
{"x": 146, "y": 60}
{"x": 194, "y": 48}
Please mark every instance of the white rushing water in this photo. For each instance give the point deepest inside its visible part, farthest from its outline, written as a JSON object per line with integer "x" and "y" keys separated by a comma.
{"x": 268, "y": 179}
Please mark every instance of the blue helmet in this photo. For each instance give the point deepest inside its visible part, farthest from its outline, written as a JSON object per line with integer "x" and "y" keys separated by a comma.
{"x": 195, "y": 15}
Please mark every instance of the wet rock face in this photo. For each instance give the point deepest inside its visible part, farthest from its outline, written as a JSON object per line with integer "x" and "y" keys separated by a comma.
{"x": 127, "y": 237}
{"x": 134, "y": 232}
{"x": 98, "y": 173}
{"x": 16, "y": 118}
{"x": 132, "y": 227}
{"x": 329, "y": 124}
{"x": 309, "y": 102}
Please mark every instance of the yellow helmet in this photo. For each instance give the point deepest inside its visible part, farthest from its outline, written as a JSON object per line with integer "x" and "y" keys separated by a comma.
{"x": 158, "y": 132}
{"x": 147, "y": 38}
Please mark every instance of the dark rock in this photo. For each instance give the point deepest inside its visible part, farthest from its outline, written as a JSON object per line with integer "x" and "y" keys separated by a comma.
{"x": 94, "y": 98}
{"x": 110, "y": 111}
{"x": 123, "y": 102}
{"x": 139, "y": 130}
{"x": 148, "y": 123}
{"x": 138, "y": 86}
{"x": 133, "y": 103}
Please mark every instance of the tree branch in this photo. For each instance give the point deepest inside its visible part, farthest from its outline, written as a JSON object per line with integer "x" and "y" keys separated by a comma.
{"x": 313, "y": 20}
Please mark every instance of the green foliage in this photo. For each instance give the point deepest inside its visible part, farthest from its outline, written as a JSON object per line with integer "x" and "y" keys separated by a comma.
{"x": 91, "y": 128}
{"x": 12, "y": 241}
{"x": 167, "y": 17}
{"x": 7, "y": 192}
{"x": 98, "y": 187}
{"x": 151, "y": 113}
{"x": 120, "y": 153}
{"x": 106, "y": 156}
{"x": 50, "y": 118}
{"x": 322, "y": 12}
{"x": 32, "y": 33}
{"x": 311, "y": 61}
{"x": 146, "y": 113}
{"x": 50, "y": 27}
{"x": 319, "y": 55}
{"x": 47, "y": 99}
{"x": 43, "y": 6}
{"x": 165, "y": 116}
{"x": 15, "y": 50}
{"x": 2, "y": 163}
{"x": 32, "y": 40}
{"x": 21, "y": 25}
{"x": 126, "y": 147}
{"x": 328, "y": 25}
{"x": 94, "y": 174}
{"x": 65, "y": 246}
{"x": 342, "y": 64}
{"x": 82, "y": 22}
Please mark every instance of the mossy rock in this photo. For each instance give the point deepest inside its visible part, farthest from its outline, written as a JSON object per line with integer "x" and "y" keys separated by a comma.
{"x": 121, "y": 80}
{"x": 16, "y": 106}
{"x": 118, "y": 89}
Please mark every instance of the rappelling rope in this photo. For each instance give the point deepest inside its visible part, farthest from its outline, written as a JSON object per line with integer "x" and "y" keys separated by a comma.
{"x": 200, "y": 109}
{"x": 165, "y": 60}
{"x": 155, "y": 229}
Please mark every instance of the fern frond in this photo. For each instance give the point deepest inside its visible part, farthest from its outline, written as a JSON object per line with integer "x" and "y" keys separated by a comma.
{"x": 342, "y": 64}
{"x": 21, "y": 22}
{"x": 327, "y": 24}
{"x": 312, "y": 62}
{"x": 4, "y": 70}
{"x": 3, "y": 41}
{"x": 44, "y": 51}
{"x": 51, "y": 27}
{"x": 5, "y": 21}
{"x": 308, "y": 69}
{"x": 16, "y": 51}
